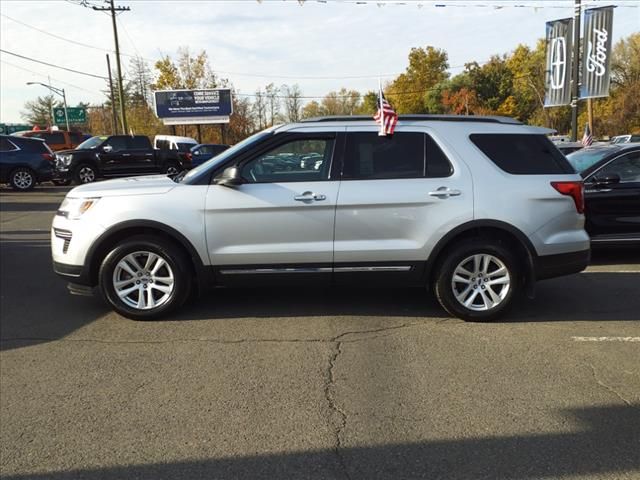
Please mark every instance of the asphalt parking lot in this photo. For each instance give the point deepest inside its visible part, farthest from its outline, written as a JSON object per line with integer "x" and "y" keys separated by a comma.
{"x": 313, "y": 383}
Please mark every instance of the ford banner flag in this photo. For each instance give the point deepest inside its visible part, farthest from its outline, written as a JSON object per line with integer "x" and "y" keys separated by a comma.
{"x": 558, "y": 69}
{"x": 596, "y": 56}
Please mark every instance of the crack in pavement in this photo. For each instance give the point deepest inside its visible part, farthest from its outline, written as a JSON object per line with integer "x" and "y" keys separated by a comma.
{"x": 338, "y": 424}
{"x": 607, "y": 387}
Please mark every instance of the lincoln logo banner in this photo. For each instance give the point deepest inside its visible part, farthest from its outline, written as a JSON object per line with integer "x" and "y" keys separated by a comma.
{"x": 596, "y": 57}
{"x": 558, "y": 69}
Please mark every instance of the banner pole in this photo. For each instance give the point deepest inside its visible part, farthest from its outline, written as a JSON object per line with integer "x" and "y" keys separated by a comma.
{"x": 382, "y": 131}
{"x": 576, "y": 72}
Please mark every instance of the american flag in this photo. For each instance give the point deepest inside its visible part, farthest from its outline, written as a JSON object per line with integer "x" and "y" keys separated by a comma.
{"x": 587, "y": 139}
{"x": 386, "y": 117}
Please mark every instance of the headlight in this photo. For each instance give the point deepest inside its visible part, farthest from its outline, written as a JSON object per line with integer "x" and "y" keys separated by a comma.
{"x": 64, "y": 159}
{"x": 74, "y": 208}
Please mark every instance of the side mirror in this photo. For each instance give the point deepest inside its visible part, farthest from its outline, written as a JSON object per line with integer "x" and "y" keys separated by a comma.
{"x": 606, "y": 180}
{"x": 230, "y": 177}
{"x": 107, "y": 149}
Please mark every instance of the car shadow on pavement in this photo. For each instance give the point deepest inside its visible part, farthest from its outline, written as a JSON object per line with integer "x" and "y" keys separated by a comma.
{"x": 603, "y": 443}
{"x": 29, "y": 207}
{"x": 35, "y": 306}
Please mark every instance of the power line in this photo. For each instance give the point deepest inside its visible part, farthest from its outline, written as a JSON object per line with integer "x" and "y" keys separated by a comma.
{"x": 46, "y": 76}
{"x": 52, "y": 65}
{"x": 64, "y": 39}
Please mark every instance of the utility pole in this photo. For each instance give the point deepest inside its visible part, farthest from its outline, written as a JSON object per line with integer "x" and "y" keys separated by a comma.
{"x": 113, "y": 9}
{"x": 113, "y": 100}
{"x": 575, "y": 91}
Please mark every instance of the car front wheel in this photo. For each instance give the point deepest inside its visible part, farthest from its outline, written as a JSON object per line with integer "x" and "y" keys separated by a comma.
{"x": 85, "y": 174}
{"x": 145, "y": 277}
{"x": 478, "y": 280}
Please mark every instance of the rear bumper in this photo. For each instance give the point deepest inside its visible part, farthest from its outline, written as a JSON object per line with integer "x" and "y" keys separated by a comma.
{"x": 551, "y": 266}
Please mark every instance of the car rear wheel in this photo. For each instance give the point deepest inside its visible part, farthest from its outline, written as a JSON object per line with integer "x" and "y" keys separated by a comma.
{"x": 145, "y": 277}
{"x": 85, "y": 173}
{"x": 478, "y": 280}
{"x": 22, "y": 179}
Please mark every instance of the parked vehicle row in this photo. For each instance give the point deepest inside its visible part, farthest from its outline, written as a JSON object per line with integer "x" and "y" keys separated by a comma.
{"x": 478, "y": 223}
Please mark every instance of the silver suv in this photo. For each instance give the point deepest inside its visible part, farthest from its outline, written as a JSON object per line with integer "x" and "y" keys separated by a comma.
{"x": 475, "y": 208}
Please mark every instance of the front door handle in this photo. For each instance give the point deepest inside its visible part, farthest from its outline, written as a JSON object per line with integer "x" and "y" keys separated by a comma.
{"x": 310, "y": 197}
{"x": 445, "y": 192}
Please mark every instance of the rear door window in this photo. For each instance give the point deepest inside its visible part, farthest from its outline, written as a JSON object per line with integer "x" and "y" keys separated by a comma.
{"x": 522, "y": 154}
{"x": 139, "y": 143}
{"x": 369, "y": 156}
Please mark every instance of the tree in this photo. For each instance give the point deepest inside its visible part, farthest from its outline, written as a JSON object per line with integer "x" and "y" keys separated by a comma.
{"x": 260, "y": 109}
{"x": 427, "y": 67}
{"x": 292, "y": 102}
{"x": 312, "y": 109}
{"x": 189, "y": 71}
{"x": 140, "y": 82}
{"x": 39, "y": 111}
{"x": 273, "y": 102}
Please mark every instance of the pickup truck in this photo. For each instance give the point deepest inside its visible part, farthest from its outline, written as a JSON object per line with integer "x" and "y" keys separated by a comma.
{"x": 115, "y": 156}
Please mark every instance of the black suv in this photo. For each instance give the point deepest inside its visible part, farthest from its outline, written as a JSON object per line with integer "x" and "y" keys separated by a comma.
{"x": 115, "y": 156}
{"x": 24, "y": 162}
{"x": 612, "y": 192}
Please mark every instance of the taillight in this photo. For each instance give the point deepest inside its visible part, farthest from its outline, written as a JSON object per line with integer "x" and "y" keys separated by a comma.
{"x": 188, "y": 156}
{"x": 49, "y": 157}
{"x": 574, "y": 189}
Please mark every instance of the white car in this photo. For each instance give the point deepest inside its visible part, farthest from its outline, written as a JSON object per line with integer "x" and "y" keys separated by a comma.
{"x": 475, "y": 208}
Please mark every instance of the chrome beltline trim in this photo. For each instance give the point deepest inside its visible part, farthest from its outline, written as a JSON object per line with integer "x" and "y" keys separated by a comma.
{"x": 385, "y": 268}
{"x": 241, "y": 271}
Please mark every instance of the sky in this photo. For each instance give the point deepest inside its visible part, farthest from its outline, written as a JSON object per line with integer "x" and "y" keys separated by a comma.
{"x": 319, "y": 45}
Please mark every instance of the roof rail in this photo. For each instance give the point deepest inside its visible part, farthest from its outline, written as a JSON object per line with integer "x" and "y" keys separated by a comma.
{"x": 419, "y": 117}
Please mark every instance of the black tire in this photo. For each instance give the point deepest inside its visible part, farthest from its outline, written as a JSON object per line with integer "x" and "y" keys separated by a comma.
{"x": 177, "y": 264}
{"x": 172, "y": 169}
{"x": 493, "y": 301}
{"x": 85, "y": 173}
{"x": 22, "y": 179}
{"x": 62, "y": 183}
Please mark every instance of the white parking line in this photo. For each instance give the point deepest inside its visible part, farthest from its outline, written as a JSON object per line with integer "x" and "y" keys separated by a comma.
{"x": 606, "y": 339}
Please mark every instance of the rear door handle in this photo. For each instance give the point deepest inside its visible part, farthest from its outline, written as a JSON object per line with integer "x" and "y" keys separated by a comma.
{"x": 445, "y": 192}
{"x": 310, "y": 197}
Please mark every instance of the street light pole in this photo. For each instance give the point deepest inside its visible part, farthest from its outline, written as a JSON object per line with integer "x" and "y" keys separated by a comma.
{"x": 59, "y": 91}
{"x": 66, "y": 117}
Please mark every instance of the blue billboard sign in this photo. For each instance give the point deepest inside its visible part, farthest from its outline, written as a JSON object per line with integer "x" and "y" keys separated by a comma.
{"x": 189, "y": 107}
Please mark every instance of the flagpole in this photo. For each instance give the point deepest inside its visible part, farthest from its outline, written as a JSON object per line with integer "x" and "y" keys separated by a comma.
{"x": 382, "y": 131}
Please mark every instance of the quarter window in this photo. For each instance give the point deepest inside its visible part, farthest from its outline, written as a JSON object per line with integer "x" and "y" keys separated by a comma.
{"x": 6, "y": 145}
{"x": 522, "y": 154}
{"x": 287, "y": 163}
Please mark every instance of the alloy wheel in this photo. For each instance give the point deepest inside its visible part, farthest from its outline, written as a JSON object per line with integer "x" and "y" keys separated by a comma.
{"x": 86, "y": 175}
{"x": 143, "y": 280}
{"x": 481, "y": 282}
{"x": 23, "y": 179}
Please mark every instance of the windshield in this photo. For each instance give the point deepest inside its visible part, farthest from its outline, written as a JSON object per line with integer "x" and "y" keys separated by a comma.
{"x": 185, "y": 147}
{"x": 587, "y": 157}
{"x": 222, "y": 157}
{"x": 92, "y": 142}
{"x": 620, "y": 139}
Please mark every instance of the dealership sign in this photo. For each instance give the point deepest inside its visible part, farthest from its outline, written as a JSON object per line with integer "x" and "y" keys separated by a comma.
{"x": 596, "y": 59}
{"x": 558, "y": 71}
{"x": 191, "y": 107}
